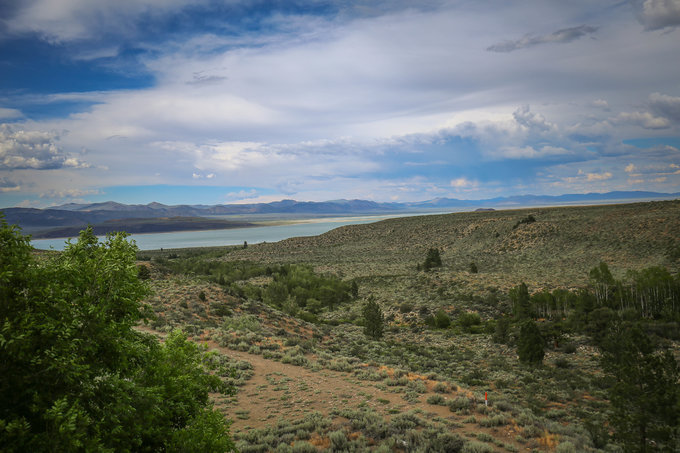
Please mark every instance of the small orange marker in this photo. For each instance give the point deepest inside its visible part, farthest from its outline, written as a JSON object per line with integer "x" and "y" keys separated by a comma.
{"x": 486, "y": 399}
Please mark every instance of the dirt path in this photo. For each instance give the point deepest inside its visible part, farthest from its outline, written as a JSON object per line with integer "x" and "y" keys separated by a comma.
{"x": 280, "y": 390}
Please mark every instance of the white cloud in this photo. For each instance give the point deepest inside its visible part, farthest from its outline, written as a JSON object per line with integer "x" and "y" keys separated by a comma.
{"x": 6, "y": 114}
{"x": 22, "y": 149}
{"x": 643, "y": 119}
{"x": 69, "y": 20}
{"x": 658, "y": 14}
{"x": 666, "y": 106}
{"x": 8, "y": 185}
{"x": 600, "y": 103}
{"x": 463, "y": 182}
{"x": 598, "y": 176}
{"x": 630, "y": 168}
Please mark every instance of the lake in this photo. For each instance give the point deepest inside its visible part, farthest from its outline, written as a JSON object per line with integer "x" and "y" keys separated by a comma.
{"x": 235, "y": 236}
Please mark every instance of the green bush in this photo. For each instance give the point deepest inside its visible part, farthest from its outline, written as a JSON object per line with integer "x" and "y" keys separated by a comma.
{"x": 76, "y": 375}
{"x": 467, "y": 320}
{"x": 441, "y": 319}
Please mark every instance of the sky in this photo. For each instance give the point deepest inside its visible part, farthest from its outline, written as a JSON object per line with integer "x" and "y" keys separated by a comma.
{"x": 241, "y": 101}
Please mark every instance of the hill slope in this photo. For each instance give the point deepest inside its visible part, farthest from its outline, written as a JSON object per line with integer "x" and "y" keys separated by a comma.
{"x": 556, "y": 250}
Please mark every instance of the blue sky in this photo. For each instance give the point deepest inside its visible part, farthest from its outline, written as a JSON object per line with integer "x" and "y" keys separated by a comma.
{"x": 209, "y": 101}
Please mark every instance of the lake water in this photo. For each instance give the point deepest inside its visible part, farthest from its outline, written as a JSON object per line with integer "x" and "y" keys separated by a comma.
{"x": 235, "y": 236}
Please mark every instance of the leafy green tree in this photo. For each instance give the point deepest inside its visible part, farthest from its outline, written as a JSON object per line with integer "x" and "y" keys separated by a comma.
{"x": 76, "y": 376}
{"x": 644, "y": 395}
{"x": 603, "y": 282}
{"x": 530, "y": 344}
{"x": 473, "y": 268}
{"x": 374, "y": 320}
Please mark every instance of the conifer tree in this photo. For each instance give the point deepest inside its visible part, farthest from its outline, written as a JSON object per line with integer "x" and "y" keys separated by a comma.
{"x": 530, "y": 344}
{"x": 374, "y": 320}
{"x": 645, "y": 395}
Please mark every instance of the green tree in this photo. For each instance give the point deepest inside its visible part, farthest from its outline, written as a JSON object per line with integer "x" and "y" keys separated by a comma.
{"x": 644, "y": 395}
{"x": 521, "y": 301}
{"x": 354, "y": 290}
{"x": 76, "y": 376}
{"x": 501, "y": 334}
{"x": 530, "y": 344}
{"x": 603, "y": 282}
{"x": 433, "y": 259}
{"x": 373, "y": 319}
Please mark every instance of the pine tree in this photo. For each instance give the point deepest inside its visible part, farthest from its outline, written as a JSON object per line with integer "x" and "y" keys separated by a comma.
{"x": 530, "y": 344}
{"x": 645, "y": 395}
{"x": 433, "y": 259}
{"x": 374, "y": 320}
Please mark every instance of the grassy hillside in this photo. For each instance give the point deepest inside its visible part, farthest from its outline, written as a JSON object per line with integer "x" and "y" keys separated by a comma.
{"x": 556, "y": 249}
{"x": 322, "y": 385}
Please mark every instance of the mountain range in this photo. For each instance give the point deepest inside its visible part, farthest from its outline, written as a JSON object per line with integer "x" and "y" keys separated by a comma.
{"x": 40, "y": 221}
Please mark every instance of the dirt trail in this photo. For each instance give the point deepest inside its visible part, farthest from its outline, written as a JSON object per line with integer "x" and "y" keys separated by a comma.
{"x": 280, "y": 390}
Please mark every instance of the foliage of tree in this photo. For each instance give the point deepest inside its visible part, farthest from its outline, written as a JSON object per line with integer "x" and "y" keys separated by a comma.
{"x": 76, "y": 376}
{"x": 530, "y": 344}
{"x": 521, "y": 301}
{"x": 473, "y": 268}
{"x": 432, "y": 260}
{"x": 354, "y": 289}
{"x": 501, "y": 334}
{"x": 644, "y": 395}
{"x": 374, "y": 320}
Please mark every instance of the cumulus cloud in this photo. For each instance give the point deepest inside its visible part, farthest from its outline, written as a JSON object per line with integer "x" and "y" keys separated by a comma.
{"x": 666, "y": 106}
{"x": 598, "y": 176}
{"x": 532, "y": 121}
{"x": 7, "y": 185}
{"x": 630, "y": 168}
{"x": 560, "y": 36}
{"x": 70, "y": 20}
{"x": 658, "y": 14}
{"x": 643, "y": 119}
{"x": 601, "y": 103}
{"x": 20, "y": 149}
{"x": 463, "y": 183}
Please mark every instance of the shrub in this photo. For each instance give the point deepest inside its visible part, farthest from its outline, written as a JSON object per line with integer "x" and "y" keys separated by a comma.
{"x": 467, "y": 320}
{"x": 441, "y": 319}
{"x": 143, "y": 272}
{"x": 437, "y": 400}
{"x": 406, "y": 307}
{"x": 477, "y": 447}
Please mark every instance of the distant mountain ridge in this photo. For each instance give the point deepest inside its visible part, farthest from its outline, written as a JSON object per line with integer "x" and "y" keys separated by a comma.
{"x": 74, "y": 215}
